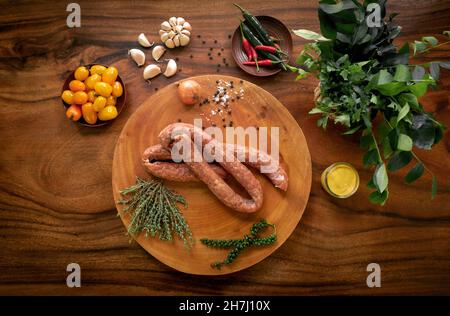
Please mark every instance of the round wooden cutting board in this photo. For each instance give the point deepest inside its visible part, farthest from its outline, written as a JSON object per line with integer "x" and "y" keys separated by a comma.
{"x": 206, "y": 215}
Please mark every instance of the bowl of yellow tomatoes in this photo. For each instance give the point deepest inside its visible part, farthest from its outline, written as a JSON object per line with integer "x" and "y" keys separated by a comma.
{"x": 93, "y": 95}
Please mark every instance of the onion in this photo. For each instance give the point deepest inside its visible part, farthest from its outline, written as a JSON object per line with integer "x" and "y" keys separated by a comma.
{"x": 189, "y": 92}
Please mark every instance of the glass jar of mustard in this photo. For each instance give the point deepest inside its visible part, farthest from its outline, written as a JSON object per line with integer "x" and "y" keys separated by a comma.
{"x": 340, "y": 180}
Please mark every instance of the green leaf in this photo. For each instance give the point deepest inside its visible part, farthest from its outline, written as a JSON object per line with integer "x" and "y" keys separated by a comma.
{"x": 392, "y": 89}
{"x": 379, "y": 198}
{"x": 322, "y": 122}
{"x": 403, "y": 112}
{"x": 402, "y": 73}
{"x": 419, "y": 47}
{"x": 387, "y": 149}
{"x": 418, "y": 73}
{"x": 405, "y": 142}
{"x": 309, "y": 35}
{"x": 435, "y": 70}
{"x": 384, "y": 77}
{"x": 446, "y": 33}
{"x": 315, "y": 111}
{"x": 399, "y": 160}
{"x": 371, "y": 185}
{"x": 380, "y": 177}
{"x": 336, "y": 8}
{"x": 302, "y": 74}
{"x": 366, "y": 142}
{"x": 410, "y": 99}
{"x": 430, "y": 40}
{"x": 353, "y": 130}
{"x": 371, "y": 158}
{"x": 415, "y": 173}
{"x": 434, "y": 186}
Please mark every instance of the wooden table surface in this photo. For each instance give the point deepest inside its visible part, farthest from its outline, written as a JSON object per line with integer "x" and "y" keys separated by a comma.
{"x": 55, "y": 177}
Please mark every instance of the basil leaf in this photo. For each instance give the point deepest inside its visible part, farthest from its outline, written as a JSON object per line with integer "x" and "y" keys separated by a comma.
{"x": 405, "y": 142}
{"x": 387, "y": 149}
{"x": 399, "y": 160}
{"x": 415, "y": 173}
{"x": 380, "y": 177}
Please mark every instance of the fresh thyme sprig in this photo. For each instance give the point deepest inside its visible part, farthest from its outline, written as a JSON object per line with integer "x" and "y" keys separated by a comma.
{"x": 241, "y": 244}
{"x": 154, "y": 210}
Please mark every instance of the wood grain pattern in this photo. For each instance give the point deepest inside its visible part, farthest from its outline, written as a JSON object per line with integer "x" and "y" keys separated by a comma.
{"x": 55, "y": 178}
{"x": 206, "y": 215}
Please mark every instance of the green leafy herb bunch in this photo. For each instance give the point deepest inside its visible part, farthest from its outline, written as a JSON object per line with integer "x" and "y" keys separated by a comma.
{"x": 363, "y": 75}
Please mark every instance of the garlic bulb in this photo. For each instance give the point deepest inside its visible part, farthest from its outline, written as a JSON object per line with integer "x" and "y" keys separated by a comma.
{"x": 142, "y": 39}
{"x": 171, "y": 68}
{"x": 157, "y": 52}
{"x": 175, "y": 32}
{"x": 151, "y": 71}
{"x": 138, "y": 56}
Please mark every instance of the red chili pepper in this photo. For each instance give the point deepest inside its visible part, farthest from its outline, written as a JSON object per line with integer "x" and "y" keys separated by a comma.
{"x": 263, "y": 62}
{"x": 255, "y": 57}
{"x": 246, "y": 45}
{"x": 271, "y": 49}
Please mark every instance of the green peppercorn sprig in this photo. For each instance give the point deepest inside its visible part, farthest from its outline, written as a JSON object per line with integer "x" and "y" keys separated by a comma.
{"x": 241, "y": 244}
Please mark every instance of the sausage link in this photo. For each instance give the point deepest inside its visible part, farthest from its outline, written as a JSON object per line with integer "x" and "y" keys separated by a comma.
{"x": 157, "y": 162}
{"x": 218, "y": 186}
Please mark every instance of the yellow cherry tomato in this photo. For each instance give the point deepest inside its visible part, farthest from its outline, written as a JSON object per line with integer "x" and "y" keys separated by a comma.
{"x": 73, "y": 112}
{"x": 108, "y": 113}
{"x": 89, "y": 114}
{"x": 111, "y": 100}
{"x": 77, "y": 85}
{"x": 81, "y": 73}
{"x": 92, "y": 80}
{"x": 110, "y": 75}
{"x": 91, "y": 96}
{"x": 99, "y": 103}
{"x": 97, "y": 69}
{"x": 80, "y": 97}
{"x": 103, "y": 88}
{"x": 117, "y": 89}
{"x": 67, "y": 96}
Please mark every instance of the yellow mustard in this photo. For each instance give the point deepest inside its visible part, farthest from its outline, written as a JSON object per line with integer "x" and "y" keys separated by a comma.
{"x": 341, "y": 180}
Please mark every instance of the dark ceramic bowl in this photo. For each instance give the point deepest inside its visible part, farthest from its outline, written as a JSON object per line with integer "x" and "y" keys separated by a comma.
{"x": 276, "y": 29}
{"x": 120, "y": 104}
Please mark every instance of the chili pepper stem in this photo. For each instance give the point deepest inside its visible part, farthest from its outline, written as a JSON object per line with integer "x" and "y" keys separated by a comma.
{"x": 239, "y": 7}
{"x": 257, "y": 66}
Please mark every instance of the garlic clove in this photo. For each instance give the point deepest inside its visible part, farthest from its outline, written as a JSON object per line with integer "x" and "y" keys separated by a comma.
{"x": 171, "y": 68}
{"x": 173, "y": 21}
{"x": 169, "y": 43}
{"x": 184, "y": 39}
{"x": 178, "y": 28}
{"x": 166, "y": 26}
{"x": 187, "y": 26}
{"x": 161, "y": 32}
{"x": 176, "y": 40}
{"x": 158, "y": 51}
{"x": 142, "y": 39}
{"x": 186, "y": 32}
{"x": 171, "y": 34}
{"x": 138, "y": 56}
{"x": 151, "y": 71}
{"x": 180, "y": 21}
{"x": 164, "y": 37}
